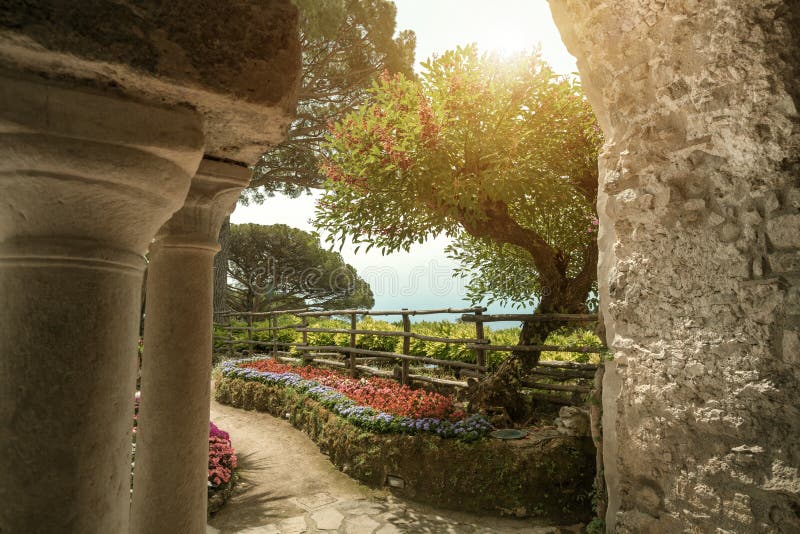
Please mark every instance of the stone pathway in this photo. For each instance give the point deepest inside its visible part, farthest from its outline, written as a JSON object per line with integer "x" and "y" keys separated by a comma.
{"x": 288, "y": 486}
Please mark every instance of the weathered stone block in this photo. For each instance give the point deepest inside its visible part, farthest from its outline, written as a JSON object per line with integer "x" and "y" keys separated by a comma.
{"x": 237, "y": 62}
{"x": 784, "y": 231}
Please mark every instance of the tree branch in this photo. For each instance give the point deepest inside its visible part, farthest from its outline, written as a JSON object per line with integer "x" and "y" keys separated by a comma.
{"x": 501, "y": 227}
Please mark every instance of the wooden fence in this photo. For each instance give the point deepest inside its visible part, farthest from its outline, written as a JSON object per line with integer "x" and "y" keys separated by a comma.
{"x": 559, "y": 382}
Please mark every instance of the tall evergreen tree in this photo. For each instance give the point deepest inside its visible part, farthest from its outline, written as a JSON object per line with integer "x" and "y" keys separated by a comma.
{"x": 346, "y": 45}
{"x": 279, "y": 267}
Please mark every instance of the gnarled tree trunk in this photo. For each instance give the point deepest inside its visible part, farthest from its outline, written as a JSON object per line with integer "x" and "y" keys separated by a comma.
{"x": 499, "y": 395}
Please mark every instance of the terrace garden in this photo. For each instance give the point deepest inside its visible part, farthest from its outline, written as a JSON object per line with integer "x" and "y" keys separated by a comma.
{"x": 499, "y": 156}
{"x": 418, "y": 444}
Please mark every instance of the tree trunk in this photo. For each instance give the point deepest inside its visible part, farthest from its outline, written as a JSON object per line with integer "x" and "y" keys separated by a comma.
{"x": 499, "y": 395}
{"x": 221, "y": 271}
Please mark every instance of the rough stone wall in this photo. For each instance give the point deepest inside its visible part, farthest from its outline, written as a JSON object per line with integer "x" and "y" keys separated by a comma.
{"x": 700, "y": 271}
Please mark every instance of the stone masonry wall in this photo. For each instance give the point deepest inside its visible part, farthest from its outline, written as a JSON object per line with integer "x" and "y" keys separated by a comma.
{"x": 699, "y": 270}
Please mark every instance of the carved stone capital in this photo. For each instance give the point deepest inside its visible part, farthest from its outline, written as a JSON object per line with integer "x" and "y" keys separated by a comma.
{"x": 87, "y": 178}
{"x": 212, "y": 197}
{"x": 236, "y": 63}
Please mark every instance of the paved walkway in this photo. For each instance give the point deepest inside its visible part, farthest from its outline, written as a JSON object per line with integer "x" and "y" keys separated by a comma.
{"x": 288, "y": 486}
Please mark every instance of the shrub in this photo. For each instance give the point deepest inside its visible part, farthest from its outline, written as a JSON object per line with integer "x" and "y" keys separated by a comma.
{"x": 573, "y": 337}
{"x": 566, "y": 336}
{"x": 285, "y": 337}
{"x": 222, "y": 460}
{"x": 378, "y": 342}
{"x": 325, "y": 338}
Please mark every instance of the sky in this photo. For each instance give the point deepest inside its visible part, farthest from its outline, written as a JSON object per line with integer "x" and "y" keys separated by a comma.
{"x": 423, "y": 278}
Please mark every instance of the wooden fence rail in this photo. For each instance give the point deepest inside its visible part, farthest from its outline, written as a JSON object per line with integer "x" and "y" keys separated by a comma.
{"x": 560, "y": 382}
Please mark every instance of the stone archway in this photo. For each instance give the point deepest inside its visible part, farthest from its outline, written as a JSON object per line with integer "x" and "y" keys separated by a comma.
{"x": 699, "y": 266}
{"x": 700, "y": 232}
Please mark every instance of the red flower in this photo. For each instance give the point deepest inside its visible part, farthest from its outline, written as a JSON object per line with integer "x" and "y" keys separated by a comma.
{"x": 382, "y": 394}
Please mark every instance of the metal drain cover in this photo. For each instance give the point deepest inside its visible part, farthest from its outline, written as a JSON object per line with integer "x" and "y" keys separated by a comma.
{"x": 509, "y": 433}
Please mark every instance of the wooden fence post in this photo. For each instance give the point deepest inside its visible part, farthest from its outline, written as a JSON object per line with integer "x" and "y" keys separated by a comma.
{"x": 250, "y": 346}
{"x": 406, "y": 348}
{"x": 230, "y": 342}
{"x": 480, "y": 354}
{"x": 352, "y": 362}
{"x": 273, "y": 323}
{"x": 595, "y": 424}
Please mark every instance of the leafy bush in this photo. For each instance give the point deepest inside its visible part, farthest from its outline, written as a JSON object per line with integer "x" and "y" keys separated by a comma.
{"x": 222, "y": 335}
{"x": 285, "y": 336}
{"x": 504, "y": 336}
{"x": 325, "y": 338}
{"x": 573, "y": 337}
{"x": 378, "y": 342}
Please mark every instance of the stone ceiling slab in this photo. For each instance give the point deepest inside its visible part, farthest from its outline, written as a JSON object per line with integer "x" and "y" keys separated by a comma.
{"x": 237, "y": 62}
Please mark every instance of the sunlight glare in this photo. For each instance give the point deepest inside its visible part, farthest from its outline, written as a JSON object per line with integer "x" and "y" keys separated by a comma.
{"x": 503, "y": 26}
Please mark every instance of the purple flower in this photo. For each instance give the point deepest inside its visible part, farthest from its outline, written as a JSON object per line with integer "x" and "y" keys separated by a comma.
{"x": 216, "y": 432}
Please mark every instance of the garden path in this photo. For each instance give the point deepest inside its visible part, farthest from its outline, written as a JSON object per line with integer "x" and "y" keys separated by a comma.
{"x": 288, "y": 486}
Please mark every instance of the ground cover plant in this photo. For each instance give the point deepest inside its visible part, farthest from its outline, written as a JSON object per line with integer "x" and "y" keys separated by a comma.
{"x": 381, "y": 394}
{"x": 374, "y": 404}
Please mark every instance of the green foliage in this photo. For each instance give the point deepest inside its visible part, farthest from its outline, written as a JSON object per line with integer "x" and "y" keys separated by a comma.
{"x": 596, "y": 526}
{"x": 500, "y": 155}
{"x": 276, "y": 266}
{"x": 573, "y": 337}
{"x": 325, "y": 338}
{"x": 432, "y": 349}
{"x": 439, "y": 350}
{"x": 497, "y": 272}
{"x": 542, "y": 480}
{"x": 282, "y": 336}
{"x": 505, "y": 336}
{"x": 221, "y": 335}
{"x": 378, "y": 342}
{"x": 345, "y": 45}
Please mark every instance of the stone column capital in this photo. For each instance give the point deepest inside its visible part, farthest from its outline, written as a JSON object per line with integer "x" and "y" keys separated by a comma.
{"x": 212, "y": 196}
{"x": 88, "y": 177}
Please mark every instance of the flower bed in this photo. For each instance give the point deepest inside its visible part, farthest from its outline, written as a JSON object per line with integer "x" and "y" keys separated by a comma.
{"x": 547, "y": 475}
{"x": 381, "y": 394}
{"x": 222, "y": 463}
{"x": 375, "y": 404}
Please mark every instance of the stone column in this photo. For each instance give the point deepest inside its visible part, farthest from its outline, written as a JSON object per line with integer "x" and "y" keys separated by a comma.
{"x": 699, "y": 271}
{"x": 86, "y": 180}
{"x": 170, "y": 485}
